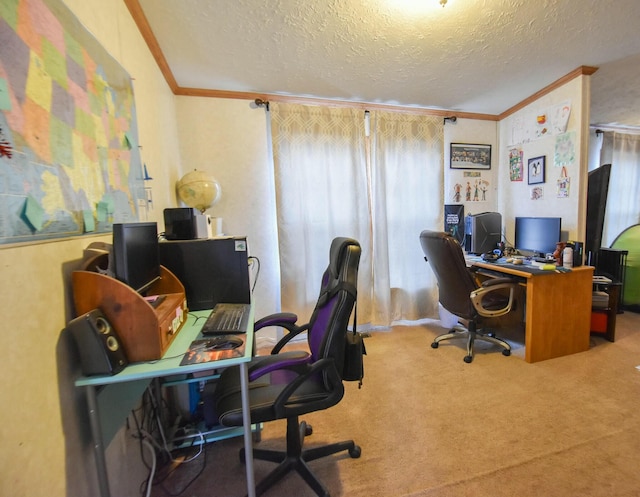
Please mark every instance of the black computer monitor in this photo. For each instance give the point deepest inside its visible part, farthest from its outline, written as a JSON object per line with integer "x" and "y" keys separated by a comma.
{"x": 537, "y": 236}
{"x": 135, "y": 254}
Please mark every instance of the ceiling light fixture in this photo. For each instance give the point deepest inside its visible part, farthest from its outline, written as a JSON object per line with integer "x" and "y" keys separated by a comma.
{"x": 443, "y": 2}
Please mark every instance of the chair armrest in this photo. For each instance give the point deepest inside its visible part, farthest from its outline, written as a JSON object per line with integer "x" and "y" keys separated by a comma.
{"x": 334, "y": 393}
{"x": 286, "y": 320}
{"x": 293, "y": 332}
{"x": 496, "y": 281}
{"x": 287, "y": 360}
{"x": 277, "y": 319}
{"x": 483, "y": 302}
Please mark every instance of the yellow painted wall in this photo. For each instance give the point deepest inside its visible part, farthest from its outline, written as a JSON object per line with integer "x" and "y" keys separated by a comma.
{"x": 44, "y": 449}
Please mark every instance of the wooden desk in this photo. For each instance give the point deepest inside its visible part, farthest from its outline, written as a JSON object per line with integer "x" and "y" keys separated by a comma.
{"x": 558, "y": 310}
{"x": 114, "y": 396}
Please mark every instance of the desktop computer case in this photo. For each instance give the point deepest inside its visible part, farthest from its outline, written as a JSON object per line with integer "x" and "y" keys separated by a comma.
{"x": 211, "y": 270}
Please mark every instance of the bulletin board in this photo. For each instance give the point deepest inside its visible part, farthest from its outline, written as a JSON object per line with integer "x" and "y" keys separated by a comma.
{"x": 69, "y": 154}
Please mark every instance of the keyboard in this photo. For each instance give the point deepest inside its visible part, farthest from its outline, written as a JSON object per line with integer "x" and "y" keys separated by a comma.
{"x": 227, "y": 318}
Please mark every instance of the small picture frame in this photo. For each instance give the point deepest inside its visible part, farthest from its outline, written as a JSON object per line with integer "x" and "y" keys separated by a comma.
{"x": 470, "y": 156}
{"x": 536, "y": 170}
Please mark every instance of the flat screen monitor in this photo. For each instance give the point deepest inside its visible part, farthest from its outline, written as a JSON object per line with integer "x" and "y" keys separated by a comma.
{"x": 135, "y": 254}
{"x": 537, "y": 236}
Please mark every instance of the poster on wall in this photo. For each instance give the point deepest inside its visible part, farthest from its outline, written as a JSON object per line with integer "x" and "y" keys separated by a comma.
{"x": 515, "y": 164}
{"x": 454, "y": 221}
{"x": 69, "y": 162}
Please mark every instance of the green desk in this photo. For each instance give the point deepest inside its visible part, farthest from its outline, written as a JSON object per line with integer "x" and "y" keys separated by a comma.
{"x": 116, "y": 395}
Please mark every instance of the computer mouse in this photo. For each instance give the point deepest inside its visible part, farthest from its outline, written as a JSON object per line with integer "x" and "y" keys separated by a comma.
{"x": 223, "y": 343}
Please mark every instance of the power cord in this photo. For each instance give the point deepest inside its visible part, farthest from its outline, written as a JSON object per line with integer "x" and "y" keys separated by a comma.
{"x": 151, "y": 436}
{"x": 254, "y": 261}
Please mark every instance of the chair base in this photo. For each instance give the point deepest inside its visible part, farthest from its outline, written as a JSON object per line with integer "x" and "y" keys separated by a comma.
{"x": 295, "y": 458}
{"x": 472, "y": 335}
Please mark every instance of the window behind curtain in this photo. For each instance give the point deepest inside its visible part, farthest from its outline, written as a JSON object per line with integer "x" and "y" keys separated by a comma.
{"x": 623, "y": 207}
{"x": 331, "y": 180}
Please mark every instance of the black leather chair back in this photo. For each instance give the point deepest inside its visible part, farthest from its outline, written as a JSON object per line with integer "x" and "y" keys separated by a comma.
{"x": 338, "y": 291}
{"x": 455, "y": 281}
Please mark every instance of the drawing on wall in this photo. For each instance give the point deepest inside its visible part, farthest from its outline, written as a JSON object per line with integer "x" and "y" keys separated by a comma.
{"x": 537, "y": 124}
{"x": 565, "y": 150}
{"x": 476, "y": 190}
{"x": 470, "y": 187}
{"x": 70, "y": 160}
{"x": 515, "y": 164}
{"x": 537, "y": 192}
{"x": 457, "y": 193}
{"x": 560, "y": 118}
{"x": 564, "y": 182}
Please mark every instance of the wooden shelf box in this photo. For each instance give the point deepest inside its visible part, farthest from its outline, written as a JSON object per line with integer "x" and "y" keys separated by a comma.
{"x": 144, "y": 331}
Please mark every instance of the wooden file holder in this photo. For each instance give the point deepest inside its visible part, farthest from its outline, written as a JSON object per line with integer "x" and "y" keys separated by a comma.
{"x": 144, "y": 331}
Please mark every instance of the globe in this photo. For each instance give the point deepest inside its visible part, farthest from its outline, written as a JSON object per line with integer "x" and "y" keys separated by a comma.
{"x": 198, "y": 189}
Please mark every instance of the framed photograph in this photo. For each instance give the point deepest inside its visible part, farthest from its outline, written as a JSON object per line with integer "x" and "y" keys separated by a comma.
{"x": 469, "y": 156}
{"x": 536, "y": 170}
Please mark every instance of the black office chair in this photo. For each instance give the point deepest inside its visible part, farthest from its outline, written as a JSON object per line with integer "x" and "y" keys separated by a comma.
{"x": 461, "y": 295}
{"x": 289, "y": 384}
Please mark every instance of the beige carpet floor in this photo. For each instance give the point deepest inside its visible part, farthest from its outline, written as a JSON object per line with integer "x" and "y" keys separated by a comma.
{"x": 431, "y": 425}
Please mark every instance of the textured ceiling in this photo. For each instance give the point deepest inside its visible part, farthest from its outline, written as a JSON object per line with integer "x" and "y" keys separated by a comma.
{"x": 480, "y": 56}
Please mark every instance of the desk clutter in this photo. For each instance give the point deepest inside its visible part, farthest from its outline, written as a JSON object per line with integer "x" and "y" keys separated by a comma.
{"x": 136, "y": 286}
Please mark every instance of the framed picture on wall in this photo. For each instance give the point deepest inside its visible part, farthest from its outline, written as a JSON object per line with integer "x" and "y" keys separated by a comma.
{"x": 536, "y": 170}
{"x": 470, "y": 156}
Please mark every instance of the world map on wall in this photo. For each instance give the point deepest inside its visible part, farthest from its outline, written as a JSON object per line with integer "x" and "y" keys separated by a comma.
{"x": 69, "y": 155}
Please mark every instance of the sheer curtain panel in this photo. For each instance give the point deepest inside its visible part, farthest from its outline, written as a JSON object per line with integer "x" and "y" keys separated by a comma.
{"x": 408, "y": 197}
{"x": 383, "y": 190}
{"x": 623, "y": 208}
{"x": 321, "y": 193}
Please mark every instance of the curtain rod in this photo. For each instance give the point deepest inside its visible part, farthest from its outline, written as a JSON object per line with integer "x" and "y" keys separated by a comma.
{"x": 262, "y": 103}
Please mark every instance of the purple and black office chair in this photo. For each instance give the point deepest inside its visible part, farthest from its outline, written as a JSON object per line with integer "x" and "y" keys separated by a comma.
{"x": 461, "y": 295}
{"x": 287, "y": 384}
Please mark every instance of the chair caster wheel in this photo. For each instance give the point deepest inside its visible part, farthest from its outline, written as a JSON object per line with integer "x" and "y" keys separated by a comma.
{"x": 355, "y": 452}
{"x": 506, "y": 352}
{"x": 434, "y": 345}
{"x": 468, "y": 358}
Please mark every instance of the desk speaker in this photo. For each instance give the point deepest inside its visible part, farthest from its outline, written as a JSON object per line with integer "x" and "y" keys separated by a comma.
{"x": 100, "y": 349}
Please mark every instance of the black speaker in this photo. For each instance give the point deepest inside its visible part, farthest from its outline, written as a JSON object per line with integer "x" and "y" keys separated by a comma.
{"x": 100, "y": 349}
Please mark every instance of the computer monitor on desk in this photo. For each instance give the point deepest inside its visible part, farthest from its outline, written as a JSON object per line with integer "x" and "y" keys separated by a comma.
{"x": 135, "y": 254}
{"x": 537, "y": 236}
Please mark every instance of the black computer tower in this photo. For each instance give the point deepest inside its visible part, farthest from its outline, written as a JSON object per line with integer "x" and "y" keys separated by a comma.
{"x": 211, "y": 270}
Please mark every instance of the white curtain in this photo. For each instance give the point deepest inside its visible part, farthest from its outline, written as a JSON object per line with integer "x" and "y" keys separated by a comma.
{"x": 622, "y": 151}
{"x": 408, "y": 196}
{"x": 333, "y": 180}
{"x": 321, "y": 193}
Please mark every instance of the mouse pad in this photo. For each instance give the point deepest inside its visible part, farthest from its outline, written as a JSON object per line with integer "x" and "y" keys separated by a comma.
{"x": 201, "y": 351}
